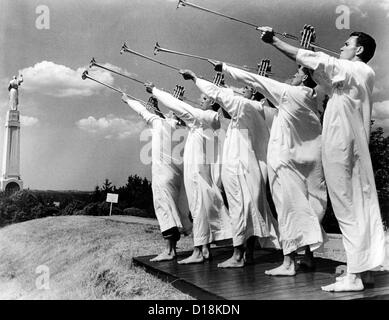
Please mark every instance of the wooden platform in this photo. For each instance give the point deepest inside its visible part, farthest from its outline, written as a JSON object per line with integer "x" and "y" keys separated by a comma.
{"x": 206, "y": 281}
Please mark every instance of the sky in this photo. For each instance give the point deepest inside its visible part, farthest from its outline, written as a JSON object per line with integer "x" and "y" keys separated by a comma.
{"x": 76, "y": 133}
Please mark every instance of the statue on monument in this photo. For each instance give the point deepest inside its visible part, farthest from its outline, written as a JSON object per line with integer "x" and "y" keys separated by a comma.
{"x": 13, "y": 92}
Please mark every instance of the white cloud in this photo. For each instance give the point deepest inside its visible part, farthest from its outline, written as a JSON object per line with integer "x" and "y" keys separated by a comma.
{"x": 380, "y": 114}
{"x": 27, "y": 121}
{"x": 111, "y": 127}
{"x": 57, "y": 80}
{"x": 355, "y": 6}
{"x": 384, "y": 4}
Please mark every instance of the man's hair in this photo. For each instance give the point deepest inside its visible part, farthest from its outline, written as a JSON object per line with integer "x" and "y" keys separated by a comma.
{"x": 308, "y": 82}
{"x": 215, "y": 106}
{"x": 368, "y": 44}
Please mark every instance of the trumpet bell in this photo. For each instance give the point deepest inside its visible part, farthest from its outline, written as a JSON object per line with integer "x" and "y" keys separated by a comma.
{"x": 181, "y": 3}
{"x": 124, "y": 48}
{"x": 84, "y": 75}
{"x": 92, "y": 63}
{"x": 157, "y": 48}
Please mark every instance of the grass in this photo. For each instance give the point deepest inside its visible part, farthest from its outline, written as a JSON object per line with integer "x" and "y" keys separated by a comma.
{"x": 88, "y": 258}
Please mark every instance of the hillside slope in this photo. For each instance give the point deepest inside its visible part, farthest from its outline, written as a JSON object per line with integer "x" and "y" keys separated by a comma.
{"x": 87, "y": 258}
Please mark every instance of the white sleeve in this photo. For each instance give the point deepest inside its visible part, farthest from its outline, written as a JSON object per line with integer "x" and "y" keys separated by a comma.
{"x": 224, "y": 95}
{"x": 271, "y": 89}
{"x": 187, "y": 112}
{"x": 142, "y": 111}
{"x": 174, "y": 104}
{"x": 326, "y": 68}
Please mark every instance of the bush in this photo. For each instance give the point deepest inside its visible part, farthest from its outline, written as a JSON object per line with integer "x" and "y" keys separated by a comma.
{"x": 138, "y": 213}
{"x": 98, "y": 209}
{"x": 72, "y": 207}
{"x": 21, "y": 206}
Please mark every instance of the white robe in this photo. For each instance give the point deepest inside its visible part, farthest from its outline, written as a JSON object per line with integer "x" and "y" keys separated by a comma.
{"x": 244, "y": 171}
{"x": 346, "y": 158}
{"x": 294, "y": 162}
{"x": 169, "y": 198}
{"x": 211, "y": 220}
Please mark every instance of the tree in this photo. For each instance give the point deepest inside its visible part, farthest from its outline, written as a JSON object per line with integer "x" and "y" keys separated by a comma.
{"x": 107, "y": 186}
{"x": 379, "y": 152}
{"x": 97, "y": 195}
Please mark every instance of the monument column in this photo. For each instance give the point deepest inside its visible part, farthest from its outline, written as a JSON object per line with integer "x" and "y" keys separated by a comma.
{"x": 10, "y": 180}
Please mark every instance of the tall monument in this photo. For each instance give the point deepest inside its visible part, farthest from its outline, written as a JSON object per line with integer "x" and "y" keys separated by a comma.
{"x": 10, "y": 180}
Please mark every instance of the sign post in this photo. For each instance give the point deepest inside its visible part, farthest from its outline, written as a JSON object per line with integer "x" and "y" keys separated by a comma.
{"x": 112, "y": 198}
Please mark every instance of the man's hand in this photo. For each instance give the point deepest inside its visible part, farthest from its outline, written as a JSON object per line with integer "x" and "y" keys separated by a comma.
{"x": 125, "y": 98}
{"x": 267, "y": 34}
{"x": 188, "y": 74}
{"x": 218, "y": 66}
{"x": 149, "y": 87}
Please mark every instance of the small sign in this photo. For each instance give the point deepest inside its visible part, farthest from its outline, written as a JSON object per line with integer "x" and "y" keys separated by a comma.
{"x": 112, "y": 197}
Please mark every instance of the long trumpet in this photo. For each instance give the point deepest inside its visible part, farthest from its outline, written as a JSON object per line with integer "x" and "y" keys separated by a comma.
{"x": 158, "y": 48}
{"x": 184, "y": 3}
{"x": 85, "y": 75}
{"x": 93, "y": 63}
{"x": 126, "y": 49}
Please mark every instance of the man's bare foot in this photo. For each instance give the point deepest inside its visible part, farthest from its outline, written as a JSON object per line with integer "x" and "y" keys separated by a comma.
{"x": 349, "y": 282}
{"x": 282, "y": 270}
{"x": 367, "y": 278}
{"x": 164, "y": 256}
{"x": 231, "y": 263}
{"x": 196, "y": 257}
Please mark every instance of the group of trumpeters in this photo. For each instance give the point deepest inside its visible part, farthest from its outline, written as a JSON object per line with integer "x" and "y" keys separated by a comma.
{"x": 223, "y": 195}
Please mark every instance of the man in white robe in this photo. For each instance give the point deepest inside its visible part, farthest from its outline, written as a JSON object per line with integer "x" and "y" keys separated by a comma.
{"x": 169, "y": 198}
{"x": 294, "y": 163}
{"x": 345, "y": 149}
{"x": 244, "y": 171}
{"x": 211, "y": 220}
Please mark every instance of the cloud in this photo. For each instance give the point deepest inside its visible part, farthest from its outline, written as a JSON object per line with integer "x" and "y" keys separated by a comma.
{"x": 111, "y": 127}
{"x": 355, "y": 7}
{"x": 384, "y": 4}
{"x": 27, "y": 121}
{"x": 381, "y": 87}
{"x": 57, "y": 80}
{"x": 380, "y": 114}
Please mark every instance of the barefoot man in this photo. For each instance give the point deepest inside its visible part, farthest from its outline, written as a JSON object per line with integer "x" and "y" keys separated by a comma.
{"x": 169, "y": 197}
{"x": 345, "y": 149}
{"x": 244, "y": 170}
{"x": 211, "y": 221}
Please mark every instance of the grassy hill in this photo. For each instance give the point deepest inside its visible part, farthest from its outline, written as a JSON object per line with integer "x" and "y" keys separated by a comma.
{"x": 88, "y": 258}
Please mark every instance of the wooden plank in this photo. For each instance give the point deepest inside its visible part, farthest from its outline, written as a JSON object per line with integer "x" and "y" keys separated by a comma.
{"x": 207, "y": 281}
